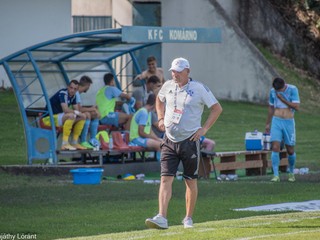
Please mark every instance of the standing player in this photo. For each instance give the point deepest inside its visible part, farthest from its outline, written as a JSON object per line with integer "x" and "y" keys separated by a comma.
{"x": 283, "y": 102}
{"x": 153, "y": 69}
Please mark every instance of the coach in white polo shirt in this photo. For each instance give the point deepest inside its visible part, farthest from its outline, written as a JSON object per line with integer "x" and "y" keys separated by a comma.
{"x": 180, "y": 105}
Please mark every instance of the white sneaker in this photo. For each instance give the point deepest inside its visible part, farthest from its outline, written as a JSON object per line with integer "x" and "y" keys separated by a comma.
{"x": 157, "y": 222}
{"x": 187, "y": 222}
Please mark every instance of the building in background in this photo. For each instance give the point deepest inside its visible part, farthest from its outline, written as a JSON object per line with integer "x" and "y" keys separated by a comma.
{"x": 26, "y": 23}
{"x": 233, "y": 69}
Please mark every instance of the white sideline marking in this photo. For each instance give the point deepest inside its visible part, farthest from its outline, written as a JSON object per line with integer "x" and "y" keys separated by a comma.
{"x": 290, "y": 220}
{"x": 258, "y": 224}
{"x": 276, "y": 235}
{"x": 307, "y": 206}
{"x": 206, "y": 229}
{"x": 170, "y": 233}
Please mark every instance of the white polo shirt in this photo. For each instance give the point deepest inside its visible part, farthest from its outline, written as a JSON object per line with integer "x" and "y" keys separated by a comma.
{"x": 191, "y": 98}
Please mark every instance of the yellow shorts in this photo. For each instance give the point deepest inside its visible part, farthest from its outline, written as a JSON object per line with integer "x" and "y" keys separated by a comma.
{"x": 57, "y": 120}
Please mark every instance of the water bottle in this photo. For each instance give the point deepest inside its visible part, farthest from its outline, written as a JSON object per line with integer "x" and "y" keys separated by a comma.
{"x": 266, "y": 141}
{"x": 50, "y": 160}
{"x": 232, "y": 177}
{"x": 304, "y": 171}
{"x": 110, "y": 142}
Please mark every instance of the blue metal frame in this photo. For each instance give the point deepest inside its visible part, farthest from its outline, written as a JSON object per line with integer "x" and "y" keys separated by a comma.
{"x": 70, "y": 47}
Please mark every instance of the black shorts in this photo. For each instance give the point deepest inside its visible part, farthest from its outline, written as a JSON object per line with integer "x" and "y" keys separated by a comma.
{"x": 186, "y": 151}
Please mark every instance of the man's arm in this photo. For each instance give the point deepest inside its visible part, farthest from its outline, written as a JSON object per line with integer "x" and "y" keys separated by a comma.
{"x": 131, "y": 101}
{"x": 76, "y": 110}
{"x": 125, "y": 95}
{"x": 93, "y": 110}
{"x": 162, "y": 75}
{"x": 269, "y": 117}
{"x": 215, "y": 111}
{"x": 295, "y": 106}
{"x": 154, "y": 118}
{"x": 142, "y": 133}
{"x": 87, "y": 109}
{"x": 66, "y": 109}
{"x": 160, "y": 112}
{"x": 141, "y": 76}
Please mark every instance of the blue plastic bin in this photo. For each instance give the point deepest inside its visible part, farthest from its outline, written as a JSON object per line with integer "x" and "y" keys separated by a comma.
{"x": 87, "y": 175}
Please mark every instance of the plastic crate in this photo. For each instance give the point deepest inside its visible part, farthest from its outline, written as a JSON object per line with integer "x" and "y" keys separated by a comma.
{"x": 87, "y": 175}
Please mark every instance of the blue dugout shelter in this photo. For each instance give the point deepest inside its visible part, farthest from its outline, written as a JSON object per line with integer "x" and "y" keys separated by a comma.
{"x": 38, "y": 72}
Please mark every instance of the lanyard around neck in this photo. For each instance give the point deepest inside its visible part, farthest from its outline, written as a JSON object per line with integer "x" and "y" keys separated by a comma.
{"x": 185, "y": 97}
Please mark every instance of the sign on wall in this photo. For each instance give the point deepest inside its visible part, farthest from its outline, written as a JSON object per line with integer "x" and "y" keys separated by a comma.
{"x": 144, "y": 34}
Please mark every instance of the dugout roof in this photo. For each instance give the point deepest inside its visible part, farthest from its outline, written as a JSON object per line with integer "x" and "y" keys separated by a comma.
{"x": 37, "y": 72}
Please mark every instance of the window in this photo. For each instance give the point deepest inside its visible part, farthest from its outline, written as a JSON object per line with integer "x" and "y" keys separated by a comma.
{"x": 87, "y": 23}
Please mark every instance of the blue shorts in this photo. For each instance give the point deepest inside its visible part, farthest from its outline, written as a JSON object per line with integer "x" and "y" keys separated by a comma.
{"x": 111, "y": 119}
{"x": 283, "y": 129}
{"x": 139, "y": 141}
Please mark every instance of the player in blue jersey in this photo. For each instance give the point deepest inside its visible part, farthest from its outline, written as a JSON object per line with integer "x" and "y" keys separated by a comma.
{"x": 283, "y": 102}
{"x": 92, "y": 116}
{"x": 141, "y": 133}
{"x": 106, "y": 99}
{"x": 66, "y": 113}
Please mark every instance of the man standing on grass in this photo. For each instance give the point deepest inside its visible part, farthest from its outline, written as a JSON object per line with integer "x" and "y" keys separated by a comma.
{"x": 180, "y": 103}
{"x": 283, "y": 102}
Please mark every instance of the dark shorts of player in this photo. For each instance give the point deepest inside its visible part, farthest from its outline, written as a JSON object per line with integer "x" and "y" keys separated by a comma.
{"x": 186, "y": 151}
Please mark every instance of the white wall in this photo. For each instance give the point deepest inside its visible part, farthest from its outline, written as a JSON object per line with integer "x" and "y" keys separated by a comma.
{"x": 122, "y": 12}
{"x": 91, "y": 8}
{"x": 234, "y": 69}
{"x": 26, "y": 23}
{"x": 231, "y": 7}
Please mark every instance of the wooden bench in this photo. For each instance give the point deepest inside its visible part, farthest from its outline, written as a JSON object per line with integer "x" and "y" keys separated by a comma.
{"x": 84, "y": 155}
{"x": 223, "y": 167}
{"x": 120, "y": 149}
{"x": 255, "y": 162}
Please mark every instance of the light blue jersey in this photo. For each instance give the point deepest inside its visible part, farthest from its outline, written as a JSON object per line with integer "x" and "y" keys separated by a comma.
{"x": 112, "y": 92}
{"x": 141, "y": 117}
{"x": 78, "y": 98}
{"x": 113, "y": 117}
{"x": 291, "y": 94}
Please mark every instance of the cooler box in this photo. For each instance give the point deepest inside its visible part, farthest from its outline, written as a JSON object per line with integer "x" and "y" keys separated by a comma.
{"x": 254, "y": 141}
{"x": 87, "y": 175}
